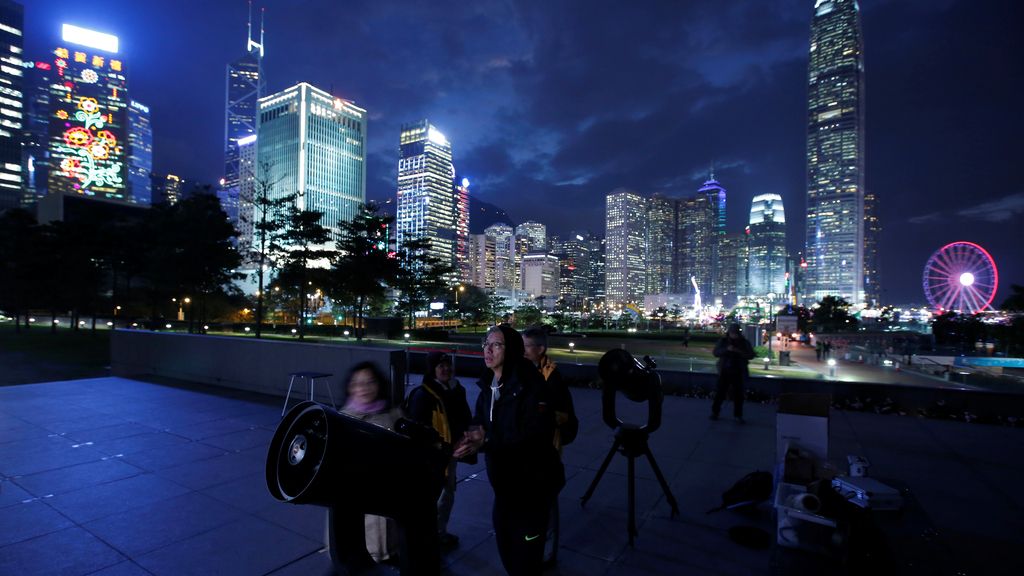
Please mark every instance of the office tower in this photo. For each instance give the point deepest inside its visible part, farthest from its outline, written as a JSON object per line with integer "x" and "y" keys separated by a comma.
{"x": 36, "y": 132}
{"x": 872, "y": 232}
{"x": 541, "y": 277}
{"x": 462, "y": 267}
{"x": 88, "y": 139}
{"x": 246, "y": 194}
{"x": 715, "y": 194}
{"x": 245, "y": 86}
{"x": 312, "y": 144}
{"x": 140, "y": 154}
{"x": 12, "y": 103}
{"x": 481, "y": 256}
{"x": 598, "y": 258}
{"x": 660, "y": 244}
{"x": 427, "y": 200}
{"x": 504, "y": 255}
{"x": 625, "y": 232}
{"x": 835, "y": 154}
{"x": 695, "y": 238}
{"x": 732, "y": 260}
{"x": 767, "y": 241}
{"x": 166, "y": 190}
{"x": 536, "y": 235}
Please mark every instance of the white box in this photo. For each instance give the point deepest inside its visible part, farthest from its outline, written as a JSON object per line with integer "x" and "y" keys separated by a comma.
{"x": 802, "y": 420}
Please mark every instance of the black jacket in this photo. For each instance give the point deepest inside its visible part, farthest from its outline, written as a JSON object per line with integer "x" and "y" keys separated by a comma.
{"x": 733, "y": 362}
{"x": 518, "y": 448}
{"x": 432, "y": 400}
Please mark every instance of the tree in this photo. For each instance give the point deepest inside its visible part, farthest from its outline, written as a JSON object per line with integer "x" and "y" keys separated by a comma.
{"x": 268, "y": 225}
{"x": 306, "y": 240}
{"x": 362, "y": 265}
{"x": 528, "y": 315}
{"x": 832, "y": 315}
{"x": 420, "y": 277}
{"x": 18, "y": 240}
{"x": 1015, "y": 302}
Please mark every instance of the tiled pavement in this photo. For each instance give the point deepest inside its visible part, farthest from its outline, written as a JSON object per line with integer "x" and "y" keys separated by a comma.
{"x": 111, "y": 476}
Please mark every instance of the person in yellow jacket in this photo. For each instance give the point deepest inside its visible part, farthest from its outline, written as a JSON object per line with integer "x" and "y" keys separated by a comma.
{"x": 535, "y": 341}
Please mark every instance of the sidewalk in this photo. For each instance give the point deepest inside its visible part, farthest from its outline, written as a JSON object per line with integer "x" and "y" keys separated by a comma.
{"x": 111, "y": 476}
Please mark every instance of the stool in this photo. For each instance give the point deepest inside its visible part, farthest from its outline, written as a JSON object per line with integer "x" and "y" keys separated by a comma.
{"x": 310, "y": 378}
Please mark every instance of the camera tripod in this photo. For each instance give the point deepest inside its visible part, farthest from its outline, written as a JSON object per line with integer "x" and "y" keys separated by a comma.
{"x": 632, "y": 442}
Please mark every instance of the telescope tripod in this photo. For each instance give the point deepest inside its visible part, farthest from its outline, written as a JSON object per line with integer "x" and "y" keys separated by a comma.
{"x": 632, "y": 442}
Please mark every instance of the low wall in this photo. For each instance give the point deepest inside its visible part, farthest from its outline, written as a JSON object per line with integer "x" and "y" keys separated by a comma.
{"x": 249, "y": 364}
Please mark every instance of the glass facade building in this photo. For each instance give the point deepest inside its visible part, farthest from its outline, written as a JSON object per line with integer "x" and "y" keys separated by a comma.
{"x": 88, "y": 137}
{"x": 140, "y": 154}
{"x": 245, "y": 85}
{"x": 313, "y": 145}
{"x": 660, "y": 244}
{"x": 12, "y": 102}
{"x": 427, "y": 197}
{"x": 502, "y": 236}
{"x": 536, "y": 235}
{"x": 835, "y": 154}
{"x": 36, "y": 132}
{"x": 766, "y": 272}
{"x": 625, "y": 250}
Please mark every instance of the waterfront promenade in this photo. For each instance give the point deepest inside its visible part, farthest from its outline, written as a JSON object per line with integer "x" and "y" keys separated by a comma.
{"x": 112, "y": 476}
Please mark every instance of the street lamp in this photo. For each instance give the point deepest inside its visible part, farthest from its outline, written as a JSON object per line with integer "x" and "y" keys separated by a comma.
{"x": 831, "y": 367}
{"x": 572, "y": 347}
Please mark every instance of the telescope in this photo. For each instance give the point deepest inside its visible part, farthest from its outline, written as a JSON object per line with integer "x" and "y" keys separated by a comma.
{"x": 322, "y": 457}
{"x": 638, "y": 381}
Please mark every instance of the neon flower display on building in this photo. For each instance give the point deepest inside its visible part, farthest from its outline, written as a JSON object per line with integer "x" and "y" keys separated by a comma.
{"x": 87, "y": 148}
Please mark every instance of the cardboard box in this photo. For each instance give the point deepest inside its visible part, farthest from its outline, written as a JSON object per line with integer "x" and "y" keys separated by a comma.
{"x": 802, "y": 420}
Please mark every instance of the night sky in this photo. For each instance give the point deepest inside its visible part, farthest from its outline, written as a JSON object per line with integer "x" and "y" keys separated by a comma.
{"x": 550, "y": 105}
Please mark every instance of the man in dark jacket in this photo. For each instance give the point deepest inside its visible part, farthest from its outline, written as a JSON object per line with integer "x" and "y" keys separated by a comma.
{"x": 440, "y": 402}
{"x": 514, "y": 427}
{"x": 535, "y": 341}
{"x": 733, "y": 352}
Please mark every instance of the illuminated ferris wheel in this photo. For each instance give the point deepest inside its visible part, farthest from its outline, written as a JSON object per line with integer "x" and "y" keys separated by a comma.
{"x": 961, "y": 277}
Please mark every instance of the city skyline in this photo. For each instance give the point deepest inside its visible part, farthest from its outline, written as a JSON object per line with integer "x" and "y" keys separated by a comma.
{"x": 546, "y": 129}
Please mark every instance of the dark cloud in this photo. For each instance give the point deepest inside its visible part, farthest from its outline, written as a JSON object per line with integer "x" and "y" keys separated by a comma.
{"x": 551, "y": 105}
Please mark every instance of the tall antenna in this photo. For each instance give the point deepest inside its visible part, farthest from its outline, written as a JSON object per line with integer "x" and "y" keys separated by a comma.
{"x": 712, "y": 169}
{"x": 263, "y": 11}
{"x": 248, "y": 28}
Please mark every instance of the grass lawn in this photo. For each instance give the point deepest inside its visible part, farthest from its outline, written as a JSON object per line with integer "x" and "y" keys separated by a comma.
{"x": 39, "y": 355}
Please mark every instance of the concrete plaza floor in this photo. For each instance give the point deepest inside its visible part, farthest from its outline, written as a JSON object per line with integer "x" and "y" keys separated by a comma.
{"x": 111, "y": 476}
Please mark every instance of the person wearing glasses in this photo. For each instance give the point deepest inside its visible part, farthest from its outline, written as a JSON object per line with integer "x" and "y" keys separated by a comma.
{"x": 513, "y": 427}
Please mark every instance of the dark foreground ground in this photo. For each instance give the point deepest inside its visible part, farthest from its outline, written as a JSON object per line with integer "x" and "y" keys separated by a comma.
{"x": 111, "y": 476}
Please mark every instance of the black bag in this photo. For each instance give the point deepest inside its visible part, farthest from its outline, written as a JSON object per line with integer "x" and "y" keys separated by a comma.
{"x": 750, "y": 490}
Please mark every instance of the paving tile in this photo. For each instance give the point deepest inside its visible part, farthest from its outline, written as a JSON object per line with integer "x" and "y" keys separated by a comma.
{"x": 230, "y": 549}
{"x": 315, "y": 564}
{"x": 241, "y": 440}
{"x": 249, "y": 493}
{"x": 173, "y": 455}
{"x": 114, "y": 497}
{"x": 12, "y": 494}
{"x": 77, "y": 477}
{"x": 110, "y": 432}
{"x": 29, "y": 520}
{"x": 126, "y": 568}
{"x": 46, "y": 454}
{"x": 212, "y": 471}
{"x": 139, "y": 443}
{"x": 146, "y": 528}
{"x": 71, "y": 551}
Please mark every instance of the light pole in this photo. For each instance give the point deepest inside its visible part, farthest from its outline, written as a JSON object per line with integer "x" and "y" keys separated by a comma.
{"x": 771, "y": 305}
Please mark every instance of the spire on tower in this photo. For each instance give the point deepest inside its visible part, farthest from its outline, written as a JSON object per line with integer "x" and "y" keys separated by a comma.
{"x": 248, "y": 28}
{"x": 250, "y": 45}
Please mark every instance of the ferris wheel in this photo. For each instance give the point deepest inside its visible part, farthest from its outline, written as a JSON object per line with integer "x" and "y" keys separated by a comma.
{"x": 961, "y": 277}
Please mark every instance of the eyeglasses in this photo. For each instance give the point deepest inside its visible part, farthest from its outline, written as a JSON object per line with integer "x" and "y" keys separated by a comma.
{"x": 493, "y": 345}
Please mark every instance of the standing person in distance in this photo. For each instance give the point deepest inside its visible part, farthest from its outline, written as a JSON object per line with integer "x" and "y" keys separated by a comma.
{"x": 733, "y": 352}
{"x": 440, "y": 402}
{"x": 535, "y": 342}
{"x": 514, "y": 427}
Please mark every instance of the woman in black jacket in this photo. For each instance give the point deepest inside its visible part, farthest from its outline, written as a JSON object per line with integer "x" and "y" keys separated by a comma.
{"x": 514, "y": 427}
{"x": 440, "y": 402}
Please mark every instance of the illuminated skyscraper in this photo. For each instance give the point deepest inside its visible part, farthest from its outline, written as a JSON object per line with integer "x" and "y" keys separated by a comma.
{"x": 166, "y": 189}
{"x": 245, "y": 86}
{"x": 246, "y": 192}
{"x": 12, "y": 103}
{"x": 140, "y": 154}
{"x": 715, "y": 194}
{"x": 313, "y": 144}
{"x": 36, "y": 130}
{"x": 503, "y": 238}
{"x": 835, "y": 154}
{"x": 694, "y": 235}
{"x": 481, "y": 261}
{"x": 660, "y": 244}
{"x": 625, "y": 232}
{"x": 766, "y": 272}
{"x": 536, "y": 235}
{"x": 541, "y": 277}
{"x": 872, "y": 230}
{"x": 88, "y": 141}
{"x": 427, "y": 198}
{"x": 462, "y": 229}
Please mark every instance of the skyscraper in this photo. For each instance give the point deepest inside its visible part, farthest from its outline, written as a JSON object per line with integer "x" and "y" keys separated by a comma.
{"x": 246, "y": 193}
{"x": 481, "y": 261}
{"x": 427, "y": 198}
{"x": 766, "y": 272}
{"x": 462, "y": 229}
{"x": 872, "y": 230}
{"x": 835, "y": 153}
{"x": 36, "y": 132}
{"x": 313, "y": 144}
{"x": 536, "y": 235}
{"x": 695, "y": 235}
{"x": 625, "y": 233}
{"x": 140, "y": 154}
{"x": 715, "y": 194}
{"x": 660, "y": 243}
{"x": 12, "y": 102}
{"x": 88, "y": 137}
{"x": 244, "y": 87}
{"x": 503, "y": 238}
